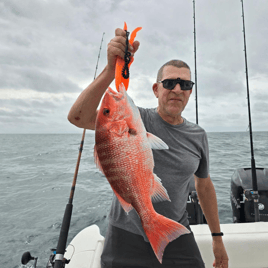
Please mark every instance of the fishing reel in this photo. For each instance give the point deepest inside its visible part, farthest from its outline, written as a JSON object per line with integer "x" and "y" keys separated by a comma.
{"x": 251, "y": 195}
{"x": 26, "y": 257}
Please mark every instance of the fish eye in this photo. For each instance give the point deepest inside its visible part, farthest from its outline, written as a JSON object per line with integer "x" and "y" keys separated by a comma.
{"x": 106, "y": 111}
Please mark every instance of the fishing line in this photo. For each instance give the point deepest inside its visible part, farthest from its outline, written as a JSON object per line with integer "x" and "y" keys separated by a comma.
{"x": 83, "y": 135}
{"x": 255, "y": 194}
{"x": 196, "y": 101}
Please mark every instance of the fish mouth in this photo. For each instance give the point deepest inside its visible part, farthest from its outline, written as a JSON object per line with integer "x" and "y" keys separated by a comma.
{"x": 116, "y": 95}
{"x": 111, "y": 91}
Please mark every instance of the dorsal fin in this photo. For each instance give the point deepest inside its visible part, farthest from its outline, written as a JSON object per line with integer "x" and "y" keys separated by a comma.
{"x": 159, "y": 193}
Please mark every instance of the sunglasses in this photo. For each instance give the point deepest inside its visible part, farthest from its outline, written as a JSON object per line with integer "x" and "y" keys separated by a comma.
{"x": 171, "y": 83}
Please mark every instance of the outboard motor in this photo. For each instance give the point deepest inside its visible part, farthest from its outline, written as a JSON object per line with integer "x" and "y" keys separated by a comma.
{"x": 195, "y": 213}
{"x": 242, "y": 195}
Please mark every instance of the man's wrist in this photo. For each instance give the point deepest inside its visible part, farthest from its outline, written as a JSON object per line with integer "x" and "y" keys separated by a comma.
{"x": 217, "y": 238}
{"x": 217, "y": 234}
{"x": 109, "y": 70}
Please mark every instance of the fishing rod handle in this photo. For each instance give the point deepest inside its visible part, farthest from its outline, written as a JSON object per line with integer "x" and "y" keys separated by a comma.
{"x": 59, "y": 262}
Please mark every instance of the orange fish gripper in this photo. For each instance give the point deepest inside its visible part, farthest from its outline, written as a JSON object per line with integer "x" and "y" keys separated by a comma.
{"x": 123, "y": 64}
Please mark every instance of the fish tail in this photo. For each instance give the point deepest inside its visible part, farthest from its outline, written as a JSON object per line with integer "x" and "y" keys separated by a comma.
{"x": 160, "y": 231}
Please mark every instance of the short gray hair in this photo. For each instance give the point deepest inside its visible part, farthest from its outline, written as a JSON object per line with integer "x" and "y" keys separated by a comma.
{"x": 176, "y": 63}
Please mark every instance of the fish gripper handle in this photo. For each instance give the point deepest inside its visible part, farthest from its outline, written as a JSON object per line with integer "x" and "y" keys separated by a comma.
{"x": 125, "y": 70}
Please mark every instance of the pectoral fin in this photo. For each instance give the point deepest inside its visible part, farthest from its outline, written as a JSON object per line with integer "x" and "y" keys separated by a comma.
{"x": 155, "y": 142}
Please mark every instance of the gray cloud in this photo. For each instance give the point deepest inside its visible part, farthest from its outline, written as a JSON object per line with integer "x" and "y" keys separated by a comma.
{"x": 29, "y": 104}
{"x": 31, "y": 78}
{"x": 52, "y": 47}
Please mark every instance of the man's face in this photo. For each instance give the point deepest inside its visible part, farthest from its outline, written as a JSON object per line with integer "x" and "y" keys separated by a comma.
{"x": 171, "y": 103}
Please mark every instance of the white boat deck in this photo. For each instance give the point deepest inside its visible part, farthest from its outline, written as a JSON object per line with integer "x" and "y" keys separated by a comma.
{"x": 246, "y": 245}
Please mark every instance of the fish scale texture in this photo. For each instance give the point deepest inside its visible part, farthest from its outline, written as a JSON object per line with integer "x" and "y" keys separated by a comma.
{"x": 126, "y": 177}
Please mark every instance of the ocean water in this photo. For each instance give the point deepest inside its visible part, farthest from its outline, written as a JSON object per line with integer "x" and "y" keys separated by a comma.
{"x": 36, "y": 174}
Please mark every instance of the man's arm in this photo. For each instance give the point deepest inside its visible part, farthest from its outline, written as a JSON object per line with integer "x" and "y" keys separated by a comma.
{"x": 84, "y": 111}
{"x": 208, "y": 201}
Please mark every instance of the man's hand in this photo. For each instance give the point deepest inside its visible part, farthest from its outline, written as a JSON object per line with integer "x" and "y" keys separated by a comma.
{"x": 208, "y": 201}
{"x": 117, "y": 46}
{"x": 221, "y": 257}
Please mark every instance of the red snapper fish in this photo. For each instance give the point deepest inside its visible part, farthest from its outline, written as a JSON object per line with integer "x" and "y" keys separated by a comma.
{"x": 123, "y": 152}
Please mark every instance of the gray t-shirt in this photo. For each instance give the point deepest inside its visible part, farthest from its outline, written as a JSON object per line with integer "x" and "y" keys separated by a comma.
{"x": 187, "y": 155}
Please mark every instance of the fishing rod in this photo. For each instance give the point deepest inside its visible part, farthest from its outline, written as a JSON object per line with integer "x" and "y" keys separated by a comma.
{"x": 254, "y": 193}
{"x": 57, "y": 259}
{"x": 196, "y": 104}
{"x": 194, "y": 197}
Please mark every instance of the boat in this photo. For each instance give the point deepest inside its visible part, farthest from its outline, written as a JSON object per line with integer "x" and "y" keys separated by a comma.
{"x": 246, "y": 244}
{"x": 246, "y": 241}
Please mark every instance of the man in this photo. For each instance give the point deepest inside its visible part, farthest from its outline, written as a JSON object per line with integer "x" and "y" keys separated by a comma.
{"x": 126, "y": 245}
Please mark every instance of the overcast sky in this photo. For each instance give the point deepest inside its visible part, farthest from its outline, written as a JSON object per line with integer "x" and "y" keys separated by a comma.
{"x": 49, "y": 51}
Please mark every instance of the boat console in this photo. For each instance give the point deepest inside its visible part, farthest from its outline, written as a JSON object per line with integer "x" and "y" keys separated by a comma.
{"x": 242, "y": 198}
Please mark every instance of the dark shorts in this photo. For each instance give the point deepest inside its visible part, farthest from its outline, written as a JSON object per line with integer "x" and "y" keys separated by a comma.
{"x": 124, "y": 249}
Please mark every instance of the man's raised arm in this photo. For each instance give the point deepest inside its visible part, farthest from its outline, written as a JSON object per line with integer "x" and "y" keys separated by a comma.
{"x": 84, "y": 111}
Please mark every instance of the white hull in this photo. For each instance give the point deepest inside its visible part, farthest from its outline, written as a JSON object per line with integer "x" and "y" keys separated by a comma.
{"x": 85, "y": 249}
{"x": 246, "y": 245}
